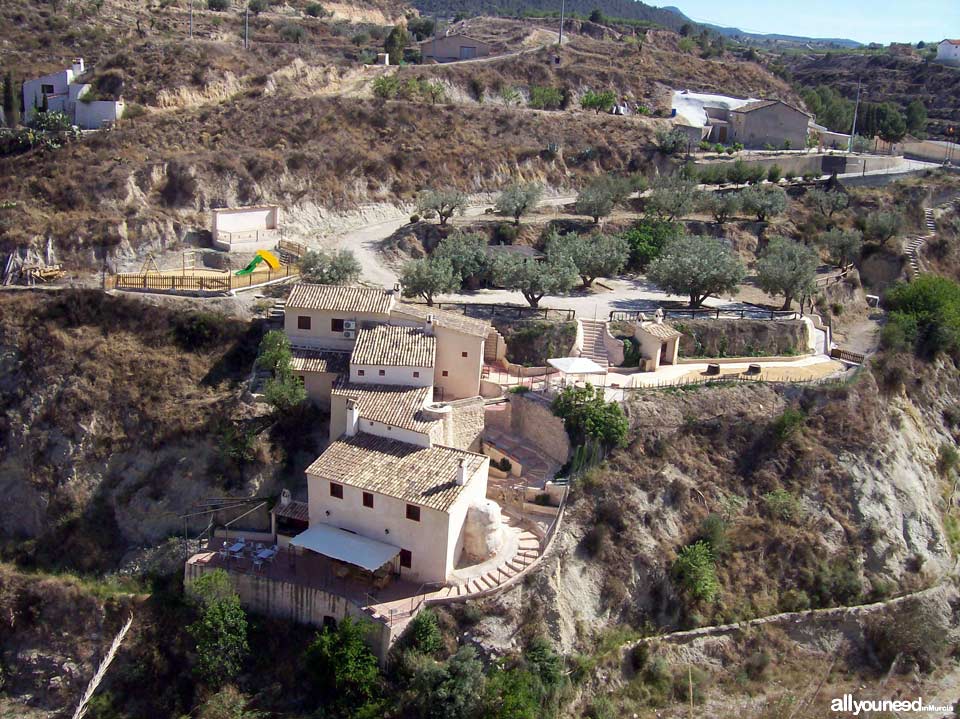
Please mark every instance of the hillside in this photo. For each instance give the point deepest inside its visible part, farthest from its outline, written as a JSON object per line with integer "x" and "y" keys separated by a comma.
{"x": 887, "y": 78}
{"x": 619, "y": 9}
{"x": 309, "y": 135}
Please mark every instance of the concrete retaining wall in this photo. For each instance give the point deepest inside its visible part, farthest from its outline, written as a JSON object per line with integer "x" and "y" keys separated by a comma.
{"x": 532, "y": 418}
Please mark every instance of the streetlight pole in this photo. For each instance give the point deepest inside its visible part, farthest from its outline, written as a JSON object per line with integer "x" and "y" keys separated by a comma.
{"x": 562, "y": 3}
{"x": 856, "y": 109}
{"x": 191, "y": 19}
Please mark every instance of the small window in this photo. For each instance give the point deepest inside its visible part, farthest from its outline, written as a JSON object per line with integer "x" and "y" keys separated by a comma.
{"x": 336, "y": 490}
{"x": 406, "y": 558}
{"x": 368, "y": 500}
{"x": 445, "y": 373}
{"x": 381, "y": 372}
{"x": 46, "y": 89}
{"x": 413, "y": 512}
{"x": 303, "y": 323}
{"x": 416, "y": 374}
{"x": 464, "y": 354}
{"x": 336, "y": 325}
{"x": 360, "y": 373}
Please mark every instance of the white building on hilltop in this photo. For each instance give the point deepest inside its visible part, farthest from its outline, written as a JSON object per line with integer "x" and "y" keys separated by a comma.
{"x": 948, "y": 52}
{"x": 61, "y": 93}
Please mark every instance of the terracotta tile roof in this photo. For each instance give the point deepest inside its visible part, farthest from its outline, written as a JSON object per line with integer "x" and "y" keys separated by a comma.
{"x": 760, "y": 104}
{"x": 444, "y": 318}
{"x": 393, "y": 405}
{"x": 297, "y": 511}
{"x": 339, "y": 298}
{"x": 307, "y": 360}
{"x": 419, "y": 475}
{"x": 661, "y": 331}
{"x": 394, "y": 347}
{"x": 952, "y": 42}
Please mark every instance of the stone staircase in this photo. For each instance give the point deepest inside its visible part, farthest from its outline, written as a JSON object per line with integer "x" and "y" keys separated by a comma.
{"x": 491, "y": 345}
{"x": 915, "y": 244}
{"x": 593, "y": 347}
{"x": 275, "y": 317}
{"x": 527, "y": 552}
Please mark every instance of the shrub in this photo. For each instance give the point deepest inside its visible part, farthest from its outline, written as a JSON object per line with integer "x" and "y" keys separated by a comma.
{"x": 947, "y": 459}
{"x": 343, "y": 671}
{"x": 647, "y": 239}
{"x": 924, "y": 314}
{"x": 199, "y": 330}
{"x": 587, "y": 415}
{"x": 598, "y": 101}
{"x": 414, "y": 218}
{"x": 756, "y": 665}
{"x": 713, "y": 531}
{"x": 291, "y": 31}
{"x": 788, "y": 423}
{"x": 695, "y": 572}
{"x": 505, "y": 465}
{"x": 218, "y": 5}
{"x": 782, "y": 505}
{"x": 671, "y": 142}
{"x": 545, "y": 98}
{"x": 220, "y": 632}
{"x": 315, "y": 9}
{"x": 258, "y": 6}
{"x": 774, "y": 173}
{"x": 794, "y": 600}
{"x": 423, "y": 634}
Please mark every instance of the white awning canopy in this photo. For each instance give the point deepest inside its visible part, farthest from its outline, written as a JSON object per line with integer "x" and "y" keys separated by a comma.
{"x": 576, "y": 365}
{"x": 346, "y": 546}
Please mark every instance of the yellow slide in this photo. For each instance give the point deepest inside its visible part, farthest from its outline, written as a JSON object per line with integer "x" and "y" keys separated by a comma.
{"x": 269, "y": 258}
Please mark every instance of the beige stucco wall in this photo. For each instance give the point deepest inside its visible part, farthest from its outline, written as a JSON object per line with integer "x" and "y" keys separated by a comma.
{"x": 338, "y": 426}
{"x": 320, "y": 335}
{"x": 467, "y": 420}
{"x": 318, "y": 386}
{"x": 448, "y": 48}
{"x": 432, "y": 541}
{"x": 533, "y": 419}
{"x": 298, "y": 603}
{"x": 397, "y": 376}
{"x": 473, "y": 493}
{"x": 770, "y": 125}
{"x": 463, "y": 373}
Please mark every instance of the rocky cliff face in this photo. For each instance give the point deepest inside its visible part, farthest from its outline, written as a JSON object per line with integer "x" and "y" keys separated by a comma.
{"x": 114, "y": 416}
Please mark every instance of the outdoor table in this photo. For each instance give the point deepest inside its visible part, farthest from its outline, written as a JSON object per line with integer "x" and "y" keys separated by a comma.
{"x": 265, "y": 554}
{"x": 236, "y": 548}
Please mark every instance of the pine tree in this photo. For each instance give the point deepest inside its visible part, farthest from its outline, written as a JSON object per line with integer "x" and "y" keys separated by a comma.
{"x": 11, "y": 108}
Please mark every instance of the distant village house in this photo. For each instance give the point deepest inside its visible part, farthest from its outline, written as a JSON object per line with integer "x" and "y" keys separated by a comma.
{"x": 59, "y": 92}
{"x": 948, "y": 52}
{"x": 452, "y": 48}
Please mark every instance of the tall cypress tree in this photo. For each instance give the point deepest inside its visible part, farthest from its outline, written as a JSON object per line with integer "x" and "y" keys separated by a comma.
{"x": 11, "y": 108}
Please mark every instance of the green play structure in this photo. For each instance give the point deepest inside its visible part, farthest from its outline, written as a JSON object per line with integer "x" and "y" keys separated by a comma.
{"x": 261, "y": 256}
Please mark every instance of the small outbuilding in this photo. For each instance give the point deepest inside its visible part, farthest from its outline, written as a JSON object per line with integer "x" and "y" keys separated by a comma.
{"x": 246, "y": 229}
{"x": 452, "y": 48}
{"x": 659, "y": 342}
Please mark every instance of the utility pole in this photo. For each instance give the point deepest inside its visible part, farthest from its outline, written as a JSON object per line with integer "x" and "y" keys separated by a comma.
{"x": 191, "y": 19}
{"x": 246, "y": 28}
{"x": 853, "y": 130}
{"x": 562, "y": 3}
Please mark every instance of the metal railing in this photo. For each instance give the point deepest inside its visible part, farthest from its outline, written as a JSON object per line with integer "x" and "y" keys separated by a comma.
{"x": 742, "y": 313}
{"x": 483, "y": 310}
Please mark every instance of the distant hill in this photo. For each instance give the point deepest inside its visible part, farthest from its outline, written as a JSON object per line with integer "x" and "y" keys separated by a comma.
{"x": 767, "y": 39}
{"x": 626, "y": 9}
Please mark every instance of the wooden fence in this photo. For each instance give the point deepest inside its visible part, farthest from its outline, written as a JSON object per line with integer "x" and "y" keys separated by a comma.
{"x": 744, "y": 313}
{"x": 291, "y": 247}
{"x": 152, "y": 282}
{"x": 519, "y": 312}
{"x": 847, "y": 355}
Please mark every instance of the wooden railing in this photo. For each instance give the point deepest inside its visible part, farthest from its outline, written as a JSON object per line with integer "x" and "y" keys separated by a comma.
{"x": 847, "y": 355}
{"x": 195, "y": 283}
{"x": 291, "y": 247}
{"x": 743, "y": 313}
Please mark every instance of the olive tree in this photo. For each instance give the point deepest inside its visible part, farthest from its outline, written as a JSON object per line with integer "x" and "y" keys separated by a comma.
{"x": 428, "y": 278}
{"x": 722, "y": 205}
{"x": 442, "y": 203}
{"x": 598, "y": 198}
{"x": 518, "y": 199}
{"x": 534, "y": 279}
{"x": 789, "y": 268}
{"x": 673, "y": 197}
{"x": 330, "y": 268}
{"x": 843, "y": 245}
{"x": 697, "y": 267}
{"x": 763, "y": 201}
{"x": 598, "y": 256}
{"x": 827, "y": 202}
{"x": 466, "y": 252}
{"x": 882, "y": 226}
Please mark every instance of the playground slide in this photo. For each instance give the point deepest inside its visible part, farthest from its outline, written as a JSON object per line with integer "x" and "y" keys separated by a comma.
{"x": 261, "y": 256}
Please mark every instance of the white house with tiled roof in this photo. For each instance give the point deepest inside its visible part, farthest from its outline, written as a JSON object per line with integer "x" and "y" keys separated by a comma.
{"x": 332, "y": 318}
{"x": 392, "y": 492}
{"x": 948, "y": 52}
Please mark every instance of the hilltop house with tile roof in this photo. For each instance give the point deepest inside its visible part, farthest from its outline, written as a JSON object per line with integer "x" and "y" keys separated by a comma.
{"x": 948, "y": 52}
{"x": 397, "y": 481}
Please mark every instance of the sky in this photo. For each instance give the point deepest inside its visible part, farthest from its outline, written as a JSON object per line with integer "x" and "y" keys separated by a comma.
{"x": 882, "y": 21}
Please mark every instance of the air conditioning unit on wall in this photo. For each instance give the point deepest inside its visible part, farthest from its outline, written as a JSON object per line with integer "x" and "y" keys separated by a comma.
{"x": 349, "y": 325}
{"x": 349, "y": 334}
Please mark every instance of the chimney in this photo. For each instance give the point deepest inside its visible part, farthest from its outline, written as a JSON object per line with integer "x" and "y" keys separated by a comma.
{"x": 353, "y": 418}
{"x": 658, "y": 316}
{"x": 428, "y": 326}
{"x": 285, "y": 498}
{"x": 462, "y": 473}
{"x": 77, "y": 66}
{"x": 396, "y": 288}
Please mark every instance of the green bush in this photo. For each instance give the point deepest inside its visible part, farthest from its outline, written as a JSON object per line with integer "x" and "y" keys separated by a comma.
{"x": 220, "y": 632}
{"x": 199, "y": 330}
{"x": 291, "y": 31}
{"x": 782, "y": 505}
{"x": 695, "y": 572}
{"x": 925, "y": 314}
{"x": 218, "y": 5}
{"x": 342, "y": 670}
{"x": 788, "y": 423}
{"x": 423, "y": 634}
{"x": 587, "y": 415}
{"x": 545, "y": 98}
{"x": 713, "y": 531}
{"x": 315, "y": 9}
{"x": 647, "y": 238}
